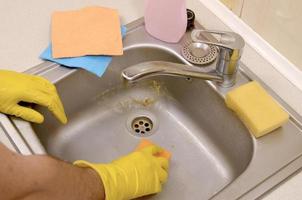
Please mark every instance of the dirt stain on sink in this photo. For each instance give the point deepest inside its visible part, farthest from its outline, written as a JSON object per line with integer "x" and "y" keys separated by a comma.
{"x": 144, "y": 102}
{"x": 132, "y": 96}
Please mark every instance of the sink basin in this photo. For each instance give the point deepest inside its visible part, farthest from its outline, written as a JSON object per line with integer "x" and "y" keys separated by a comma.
{"x": 213, "y": 154}
{"x": 182, "y": 116}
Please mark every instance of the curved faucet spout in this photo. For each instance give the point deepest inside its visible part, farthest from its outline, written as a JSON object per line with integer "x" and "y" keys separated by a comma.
{"x": 158, "y": 68}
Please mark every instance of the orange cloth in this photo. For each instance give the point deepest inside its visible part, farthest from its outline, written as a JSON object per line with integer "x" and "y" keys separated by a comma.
{"x": 145, "y": 143}
{"x": 89, "y": 31}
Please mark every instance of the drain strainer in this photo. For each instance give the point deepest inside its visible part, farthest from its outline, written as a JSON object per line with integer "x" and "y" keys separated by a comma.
{"x": 199, "y": 53}
{"x": 142, "y": 124}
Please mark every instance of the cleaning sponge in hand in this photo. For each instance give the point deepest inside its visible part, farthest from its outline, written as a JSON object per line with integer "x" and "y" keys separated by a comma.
{"x": 146, "y": 143}
{"x": 256, "y": 108}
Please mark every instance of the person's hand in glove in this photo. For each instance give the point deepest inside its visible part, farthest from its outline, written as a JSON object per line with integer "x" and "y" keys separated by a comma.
{"x": 17, "y": 87}
{"x": 138, "y": 174}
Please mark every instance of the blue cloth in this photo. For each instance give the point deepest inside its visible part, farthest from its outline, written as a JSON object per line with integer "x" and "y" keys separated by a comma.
{"x": 93, "y": 64}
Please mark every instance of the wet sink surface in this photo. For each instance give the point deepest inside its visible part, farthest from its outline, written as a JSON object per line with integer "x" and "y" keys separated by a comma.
{"x": 207, "y": 155}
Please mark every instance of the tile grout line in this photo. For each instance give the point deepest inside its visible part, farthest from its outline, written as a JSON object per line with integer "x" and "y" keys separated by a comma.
{"x": 241, "y": 10}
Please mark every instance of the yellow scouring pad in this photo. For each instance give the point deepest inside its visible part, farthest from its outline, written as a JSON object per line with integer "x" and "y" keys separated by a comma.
{"x": 256, "y": 108}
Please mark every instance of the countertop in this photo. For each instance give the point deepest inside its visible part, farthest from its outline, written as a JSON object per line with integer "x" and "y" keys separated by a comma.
{"x": 24, "y": 34}
{"x": 25, "y": 26}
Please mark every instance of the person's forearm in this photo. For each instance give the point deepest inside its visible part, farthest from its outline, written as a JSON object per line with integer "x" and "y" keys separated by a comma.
{"x": 64, "y": 181}
{"x": 43, "y": 178}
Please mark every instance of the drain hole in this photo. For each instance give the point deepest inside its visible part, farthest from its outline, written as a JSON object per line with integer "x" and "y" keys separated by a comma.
{"x": 142, "y": 126}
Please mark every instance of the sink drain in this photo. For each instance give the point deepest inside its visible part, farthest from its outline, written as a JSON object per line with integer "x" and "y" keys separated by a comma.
{"x": 142, "y": 123}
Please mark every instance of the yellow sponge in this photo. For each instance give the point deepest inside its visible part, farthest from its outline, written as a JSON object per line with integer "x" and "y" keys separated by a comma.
{"x": 256, "y": 108}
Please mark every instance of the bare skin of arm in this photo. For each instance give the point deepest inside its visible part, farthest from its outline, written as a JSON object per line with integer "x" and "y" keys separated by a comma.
{"x": 45, "y": 178}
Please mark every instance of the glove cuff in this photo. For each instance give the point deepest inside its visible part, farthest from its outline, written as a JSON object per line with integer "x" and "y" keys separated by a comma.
{"x": 109, "y": 177}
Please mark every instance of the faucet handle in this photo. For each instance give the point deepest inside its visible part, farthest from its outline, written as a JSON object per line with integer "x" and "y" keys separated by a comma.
{"x": 230, "y": 50}
{"x": 228, "y": 40}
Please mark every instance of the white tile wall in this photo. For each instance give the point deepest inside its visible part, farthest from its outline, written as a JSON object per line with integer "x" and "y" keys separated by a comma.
{"x": 234, "y": 5}
{"x": 277, "y": 21}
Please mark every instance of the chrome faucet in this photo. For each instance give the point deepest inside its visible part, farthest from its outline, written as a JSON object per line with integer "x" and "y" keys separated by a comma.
{"x": 230, "y": 50}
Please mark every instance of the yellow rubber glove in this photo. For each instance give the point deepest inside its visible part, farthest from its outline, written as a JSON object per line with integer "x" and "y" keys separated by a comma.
{"x": 137, "y": 174}
{"x": 17, "y": 87}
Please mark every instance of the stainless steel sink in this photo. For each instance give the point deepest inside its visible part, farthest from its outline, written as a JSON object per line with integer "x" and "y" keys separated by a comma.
{"x": 183, "y": 118}
{"x": 214, "y": 156}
